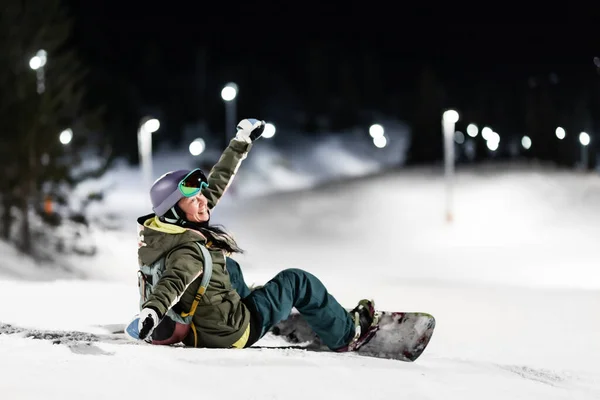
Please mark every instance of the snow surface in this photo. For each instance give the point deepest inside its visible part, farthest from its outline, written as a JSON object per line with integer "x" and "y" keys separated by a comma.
{"x": 514, "y": 284}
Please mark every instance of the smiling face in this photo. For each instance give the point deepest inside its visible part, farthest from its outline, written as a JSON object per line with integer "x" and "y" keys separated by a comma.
{"x": 195, "y": 208}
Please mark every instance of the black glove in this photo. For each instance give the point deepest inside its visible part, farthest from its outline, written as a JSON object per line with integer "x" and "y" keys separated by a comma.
{"x": 250, "y": 129}
{"x": 149, "y": 319}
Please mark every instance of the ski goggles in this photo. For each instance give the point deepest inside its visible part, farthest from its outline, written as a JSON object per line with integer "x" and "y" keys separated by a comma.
{"x": 193, "y": 183}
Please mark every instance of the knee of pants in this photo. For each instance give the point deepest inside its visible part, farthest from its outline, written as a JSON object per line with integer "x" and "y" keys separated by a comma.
{"x": 293, "y": 274}
{"x": 300, "y": 280}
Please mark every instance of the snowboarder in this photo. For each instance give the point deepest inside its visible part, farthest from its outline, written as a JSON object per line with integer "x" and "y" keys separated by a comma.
{"x": 228, "y": 314}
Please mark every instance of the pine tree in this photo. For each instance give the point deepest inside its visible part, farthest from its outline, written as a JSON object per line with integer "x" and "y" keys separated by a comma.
{"x": 35, "y": 107}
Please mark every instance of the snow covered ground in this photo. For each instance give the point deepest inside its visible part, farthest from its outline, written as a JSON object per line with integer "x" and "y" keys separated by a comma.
{"x": 514, "y": 284}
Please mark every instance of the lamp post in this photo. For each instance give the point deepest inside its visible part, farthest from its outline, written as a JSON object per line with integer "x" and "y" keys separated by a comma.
{"x": 584, "y": 140}
{"x": 449, "y": 119}
{"x": 229, "y": 94}
{"x": 37, "y": 63}
{"x": 147, "y": 127}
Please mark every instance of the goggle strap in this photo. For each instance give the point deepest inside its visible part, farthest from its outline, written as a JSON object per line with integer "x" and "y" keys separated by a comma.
{"x": 171, "y": 220}
{"x": 175, "y": 212}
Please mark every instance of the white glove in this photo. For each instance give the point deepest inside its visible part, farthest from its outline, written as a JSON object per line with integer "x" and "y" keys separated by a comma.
{"x": 250, "y": 129}
{"x": 149, "y": 319}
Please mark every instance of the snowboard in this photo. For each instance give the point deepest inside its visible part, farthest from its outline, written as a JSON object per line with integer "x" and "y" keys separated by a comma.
{"x": 398, "y": 335}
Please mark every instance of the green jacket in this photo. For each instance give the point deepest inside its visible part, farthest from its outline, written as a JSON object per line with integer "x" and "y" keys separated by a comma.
{"x": 221, "y": 319}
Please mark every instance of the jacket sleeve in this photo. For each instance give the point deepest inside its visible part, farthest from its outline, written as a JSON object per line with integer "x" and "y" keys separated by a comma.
{"x": 222, "y": 174}
{"x": 182, "y": 267}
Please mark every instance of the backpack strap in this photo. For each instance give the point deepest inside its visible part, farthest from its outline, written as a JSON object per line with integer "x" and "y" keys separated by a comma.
{"x": 208, "y": 267}
{"x": 206, "y": 274}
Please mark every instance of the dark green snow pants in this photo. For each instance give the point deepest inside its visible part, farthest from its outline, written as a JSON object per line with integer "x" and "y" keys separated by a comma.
{"x": 291, "y": 288}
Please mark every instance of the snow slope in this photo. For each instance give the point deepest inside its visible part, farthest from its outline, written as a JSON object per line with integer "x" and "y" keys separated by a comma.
{"x": 514, "y": 284}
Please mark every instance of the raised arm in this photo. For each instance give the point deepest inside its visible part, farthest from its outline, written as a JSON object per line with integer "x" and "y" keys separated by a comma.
{"x": 222, "y": 174}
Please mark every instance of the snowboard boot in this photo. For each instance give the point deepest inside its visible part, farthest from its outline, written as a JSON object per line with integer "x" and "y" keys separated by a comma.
{"x": 365, "y": 324}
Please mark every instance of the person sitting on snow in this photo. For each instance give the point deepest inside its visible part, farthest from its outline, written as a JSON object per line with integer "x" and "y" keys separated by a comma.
{"x": 228, "y": 314}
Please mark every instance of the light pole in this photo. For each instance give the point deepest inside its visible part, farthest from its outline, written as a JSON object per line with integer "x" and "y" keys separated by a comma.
{"x": 449, "y": 119}
{"x": 229, "y": 94}
{"x": 584, "y": 140}
{"x": 147, "y": 127}
{"x": 37, "y": 63}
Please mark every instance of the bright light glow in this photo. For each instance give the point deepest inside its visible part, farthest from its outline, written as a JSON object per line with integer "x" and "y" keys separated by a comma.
{"x": 493, "y": 137}
{"x": 560, "y": 133}
{"x": 35, "y": 63}
{"x": 380, "y": 141}
{"x": 376, "y": 131}
{"x": 486, "y": 132}
{"x": 229, "y": 92}
{"x": 451, "y": 116}
{"x": 459, "y": 137}
{"x": 584, "y": 139}
{"x": 39, "y": 60}
{"x": 526, "y": 142}
{"x": 151, "y": 125}
{"x": 269, "y": 131}
{"x": 66, "y": 136}
{"x": 472, "y": 130}
{"x": 492, "y": 145}
{"x": 197, "y": 147}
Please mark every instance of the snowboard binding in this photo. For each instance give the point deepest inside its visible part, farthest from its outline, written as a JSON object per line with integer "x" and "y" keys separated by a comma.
{"x": 366, "y": 324}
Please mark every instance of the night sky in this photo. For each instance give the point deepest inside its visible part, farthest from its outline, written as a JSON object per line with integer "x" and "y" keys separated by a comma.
{"x": 144, "y": 59}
